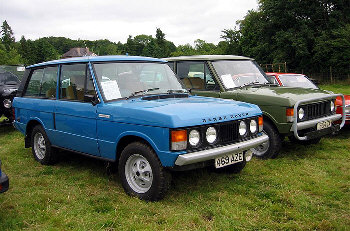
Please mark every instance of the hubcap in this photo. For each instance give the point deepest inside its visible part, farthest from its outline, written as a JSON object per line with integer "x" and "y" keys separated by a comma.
{"x": 261, "y": 149}
{"x": 138, "y": 173}
{"x": 39, "y": 145}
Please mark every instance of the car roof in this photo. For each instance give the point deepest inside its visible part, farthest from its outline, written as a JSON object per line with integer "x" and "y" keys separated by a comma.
{"x": 98, "y": 59}
{"x": 208, "y": 57}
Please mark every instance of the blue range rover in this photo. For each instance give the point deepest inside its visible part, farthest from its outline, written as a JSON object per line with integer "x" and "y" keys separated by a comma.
{"x": 4, "y": 181}
{"x": 132, "y": 111}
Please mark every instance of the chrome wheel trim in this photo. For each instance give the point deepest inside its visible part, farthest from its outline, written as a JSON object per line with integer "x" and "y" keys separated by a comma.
{"x": 39, "y": 146}
{"x": 261, "y": 149}
{"x": 138, "y": 173}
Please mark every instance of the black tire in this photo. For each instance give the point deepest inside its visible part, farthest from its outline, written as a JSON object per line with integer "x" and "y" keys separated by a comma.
{"x": 232, "y": 169}
{"x": 42, "y": 150}
{"x": 142, "y": 174}
{"x": 304, "y": 142}
{"x": 270, "y": 148}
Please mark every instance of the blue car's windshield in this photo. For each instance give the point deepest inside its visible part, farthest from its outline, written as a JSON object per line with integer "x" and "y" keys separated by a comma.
{"x": 123, "y": 80}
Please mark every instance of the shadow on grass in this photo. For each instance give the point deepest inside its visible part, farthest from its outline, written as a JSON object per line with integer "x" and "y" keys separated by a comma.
{"x": 78, "y": 161}
{"x": 6, "y": 128}
{"x": 295, "y": 151}
{"x": 190, "y": 182}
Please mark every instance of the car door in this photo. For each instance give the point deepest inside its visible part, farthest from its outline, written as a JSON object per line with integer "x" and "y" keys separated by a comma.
{"x": 195, "y": 75}
{"x": 75, "y": 119}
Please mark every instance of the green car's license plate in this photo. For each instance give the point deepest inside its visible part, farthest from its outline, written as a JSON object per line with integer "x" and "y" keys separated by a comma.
{"x": 324, "y": 124}
{"x": 228, "y": 159}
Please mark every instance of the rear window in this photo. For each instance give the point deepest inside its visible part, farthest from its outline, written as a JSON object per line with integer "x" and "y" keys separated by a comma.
{"x": 42, "y": 83}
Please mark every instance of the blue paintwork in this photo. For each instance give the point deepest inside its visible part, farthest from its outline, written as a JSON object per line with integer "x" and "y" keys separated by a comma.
{"x": 79, "y": 128}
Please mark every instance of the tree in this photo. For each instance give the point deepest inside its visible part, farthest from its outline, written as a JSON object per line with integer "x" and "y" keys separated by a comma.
{"x": 9, "y": 57}
{"x": 44, "y": 51}
{"x": 232, "y": 38}
{"x": 294, "y": 31}
{"x": 7, "y": 38}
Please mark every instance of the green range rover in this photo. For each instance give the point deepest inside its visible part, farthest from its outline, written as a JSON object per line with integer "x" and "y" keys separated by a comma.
{"x": 304, "y": 115}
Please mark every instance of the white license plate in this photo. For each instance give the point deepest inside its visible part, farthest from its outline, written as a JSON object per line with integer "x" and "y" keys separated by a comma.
{"x": 228, "y": 160}
{"x": 324, "y": 124}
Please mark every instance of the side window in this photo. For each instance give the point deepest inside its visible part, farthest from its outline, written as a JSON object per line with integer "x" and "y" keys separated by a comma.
{"x": 73, "y": 85}
{"x": 90, "y": 90}
{"x": 33, "y": 88}
{"x": 196, "y": 75}
{"x": 49, "y": 83}
{"x": 272, "y": 79}
{"x": 171, "y": 65}
{"x": 42, "y": 83}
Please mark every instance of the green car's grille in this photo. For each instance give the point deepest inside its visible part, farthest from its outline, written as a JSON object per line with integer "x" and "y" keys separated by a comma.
{"x": 316, "y": 110}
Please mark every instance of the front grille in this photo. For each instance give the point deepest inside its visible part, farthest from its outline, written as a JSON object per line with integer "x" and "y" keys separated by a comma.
{"x": 228, "y": 132}
{"x": 316, "y": 110}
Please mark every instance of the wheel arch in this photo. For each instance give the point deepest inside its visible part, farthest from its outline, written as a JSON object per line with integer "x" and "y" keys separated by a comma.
{"x": 271, "y": 119}
{"x": 29, "y": 128}
{"x": 128, "y": 138}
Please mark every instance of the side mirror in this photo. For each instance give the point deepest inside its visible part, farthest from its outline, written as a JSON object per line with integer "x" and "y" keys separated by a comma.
{"x": 91, "y": 99}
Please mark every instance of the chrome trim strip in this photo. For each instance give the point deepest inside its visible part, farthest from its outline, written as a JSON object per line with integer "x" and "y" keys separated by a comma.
{"x": 104, "y": 116}
{"x": 295, "y": 125}
{"x": 204, "y": 155}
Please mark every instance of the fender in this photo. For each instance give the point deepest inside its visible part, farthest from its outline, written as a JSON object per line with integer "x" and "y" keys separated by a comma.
{"x": 138, "y": 134}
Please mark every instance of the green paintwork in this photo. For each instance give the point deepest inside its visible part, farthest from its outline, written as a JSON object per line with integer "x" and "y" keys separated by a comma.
{"x": 273, "y": 100}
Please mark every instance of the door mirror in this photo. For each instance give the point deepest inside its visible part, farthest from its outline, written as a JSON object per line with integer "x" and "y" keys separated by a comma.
{"x": 91, "y": 99}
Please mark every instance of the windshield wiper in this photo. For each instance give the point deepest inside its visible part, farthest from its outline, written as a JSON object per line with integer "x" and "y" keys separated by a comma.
{"x": 271, "y": 84}
{"x": 250, "y": 83}
{"x": 143, "y": 92}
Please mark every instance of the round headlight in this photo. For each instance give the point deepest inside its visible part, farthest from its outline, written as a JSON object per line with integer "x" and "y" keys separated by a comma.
{"x": 301, "y": 113}
{"x": 193, "y": 138}
{"x": 253, "y": 126}
{"x": 332, "y": 106}
{"x": 7, "y": 103}
{"x": 211, "y": 135}
{"x": 242, "y": 128}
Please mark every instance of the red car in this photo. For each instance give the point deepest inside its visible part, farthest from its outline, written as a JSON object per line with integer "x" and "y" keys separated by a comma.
{"x": 299, "y": 80}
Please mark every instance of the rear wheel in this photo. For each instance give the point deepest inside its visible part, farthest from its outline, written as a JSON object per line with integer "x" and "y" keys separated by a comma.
{"x": 42, "y": 150}
{"x": 270, "y": 148}
{"x": 141, "y": 173}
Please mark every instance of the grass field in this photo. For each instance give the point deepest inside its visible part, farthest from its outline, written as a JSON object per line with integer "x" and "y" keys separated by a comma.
{"x": 306, "y": 187}
{"x": 337, "y": 88}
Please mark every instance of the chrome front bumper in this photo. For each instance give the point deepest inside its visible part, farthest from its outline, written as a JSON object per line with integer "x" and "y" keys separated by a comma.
{"x": 311, "y": 123}
{"x": 204, "y": 155}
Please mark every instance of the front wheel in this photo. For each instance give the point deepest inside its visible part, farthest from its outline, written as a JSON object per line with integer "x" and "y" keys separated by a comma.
{"x": 270, "y": 148}
{"x": 42, "y": 150}
{"x": 141, "y": 173}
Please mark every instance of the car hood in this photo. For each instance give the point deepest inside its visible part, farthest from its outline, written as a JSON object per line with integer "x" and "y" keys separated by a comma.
{"x": 279, "y": 96}
{"x": 177, "y": 112}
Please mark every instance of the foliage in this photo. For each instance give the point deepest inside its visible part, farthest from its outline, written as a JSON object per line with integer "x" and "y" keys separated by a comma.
{"x": 7, "y": 37}
{"x": 309, "y": 35}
